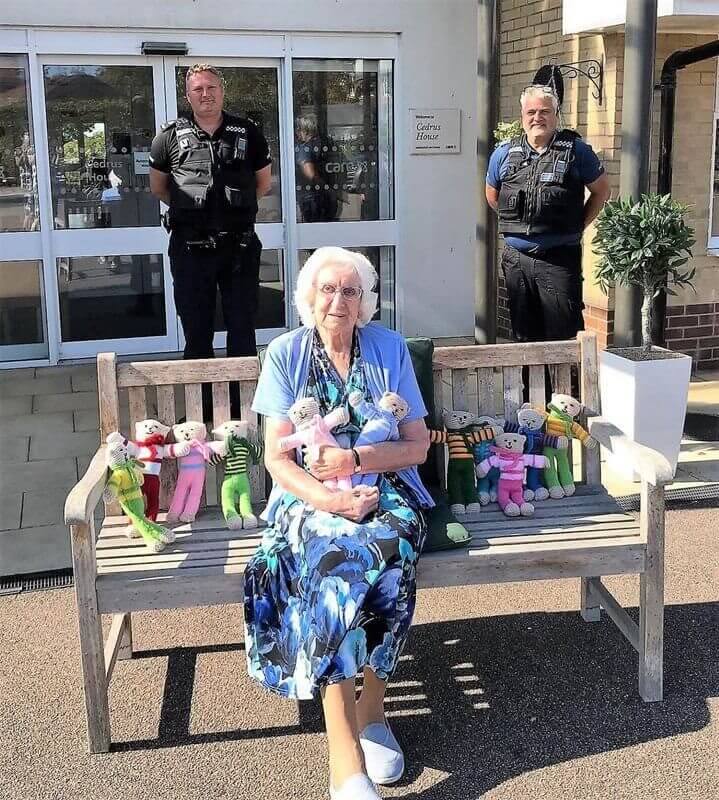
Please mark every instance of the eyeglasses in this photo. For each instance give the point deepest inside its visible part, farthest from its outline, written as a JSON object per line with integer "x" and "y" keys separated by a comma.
{"x": 348, "y": 292}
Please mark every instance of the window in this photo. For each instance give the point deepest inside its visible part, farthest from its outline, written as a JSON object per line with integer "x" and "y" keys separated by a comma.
{"x": 343, "y": 139}
{"x": 714, "y": 199}
{"x": 18, "y": 173}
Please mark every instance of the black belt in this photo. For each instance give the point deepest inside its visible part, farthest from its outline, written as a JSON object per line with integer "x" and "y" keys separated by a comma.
{"x": 211, "y": 240}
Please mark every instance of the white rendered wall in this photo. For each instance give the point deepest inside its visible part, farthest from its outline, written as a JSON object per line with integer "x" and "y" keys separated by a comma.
{"x": 436, "y": 197}
{"x": 581, "y": 15}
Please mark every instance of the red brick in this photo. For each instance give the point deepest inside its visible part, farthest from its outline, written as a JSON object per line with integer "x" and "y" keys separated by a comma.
{"x": 699, "y": 332}
{"x": 682, "y": 321}
{"x": 675, "y": 311}
{"x": 708, "y": 319}
{"x": 673, "y": 334}
{"x": 700, "y": 308}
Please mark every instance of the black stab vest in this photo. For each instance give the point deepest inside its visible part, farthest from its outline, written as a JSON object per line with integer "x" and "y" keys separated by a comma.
{"x": 213, "y": 189}
{"x": 543, "y": 194}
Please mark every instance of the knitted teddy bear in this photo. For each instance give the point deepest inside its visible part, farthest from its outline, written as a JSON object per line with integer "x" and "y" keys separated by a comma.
{"x": 509, "y": 457}
{"x": 560, "y": 422}
{"x": 486, "y": 486}
{"x": 150, "y": 449}
{"x": 312, "y": 431}
{"x": 235, "y": 492}
{"x": 125, "y": 484}
{"x": 382, "y": 423}
{"x": 530, "y": 422}
{"x": 191, "y": 470}
{"x": 460, "y": 439}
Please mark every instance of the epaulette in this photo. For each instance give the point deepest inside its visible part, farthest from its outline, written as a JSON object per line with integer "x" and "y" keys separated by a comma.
{"x": 171, "y": 123}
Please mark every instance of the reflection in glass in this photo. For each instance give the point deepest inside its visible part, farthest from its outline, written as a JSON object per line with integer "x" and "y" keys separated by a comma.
{"x": 250, "y": 92}
{"x": 18, "y": 173}
{"x": 271, "y": 308}
{"x": 382, "y": 259}
{"x": 343, "y": 139}
{"x": 21, "y": 320}
{"x": 111, "y": 297}
{"x": 100, "y": 125}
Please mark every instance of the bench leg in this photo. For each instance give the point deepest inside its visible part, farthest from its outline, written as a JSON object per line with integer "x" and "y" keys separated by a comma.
{"x": 651, "y": 597}
{"x": 588, "y": 607}
{"x": 92, "y": 654}
{"x": 124, "y": 652}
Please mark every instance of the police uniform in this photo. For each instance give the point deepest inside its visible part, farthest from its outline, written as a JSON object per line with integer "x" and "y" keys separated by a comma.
{"x": 541, "y": 216}
{"x": 213, "y": 206}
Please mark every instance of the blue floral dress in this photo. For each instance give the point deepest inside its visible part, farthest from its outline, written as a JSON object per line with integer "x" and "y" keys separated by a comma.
{"x": 324, "y": 596}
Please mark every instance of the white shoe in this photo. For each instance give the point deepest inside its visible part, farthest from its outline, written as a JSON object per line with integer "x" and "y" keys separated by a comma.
{"x": 356, "y": 787}
{"x": 383, "y": 757}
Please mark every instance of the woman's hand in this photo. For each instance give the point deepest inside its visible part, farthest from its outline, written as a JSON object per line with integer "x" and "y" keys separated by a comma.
{"x": 356, "y": 503}
{"x": 330, "y": 462}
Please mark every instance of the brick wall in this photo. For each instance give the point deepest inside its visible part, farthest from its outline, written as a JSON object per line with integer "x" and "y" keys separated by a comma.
{"x": 530, "y": 36}
{"x": 694, "y": 329}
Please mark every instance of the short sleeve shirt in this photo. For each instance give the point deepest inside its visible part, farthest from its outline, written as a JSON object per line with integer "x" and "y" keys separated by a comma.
{"x": 164, "y": 153}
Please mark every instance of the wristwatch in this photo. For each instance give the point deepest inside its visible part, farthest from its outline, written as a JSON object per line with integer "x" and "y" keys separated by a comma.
{"x": 358, "y": 465}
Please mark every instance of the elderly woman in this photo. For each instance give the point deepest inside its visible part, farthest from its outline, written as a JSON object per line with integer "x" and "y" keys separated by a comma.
{"x": 331, "y": 591}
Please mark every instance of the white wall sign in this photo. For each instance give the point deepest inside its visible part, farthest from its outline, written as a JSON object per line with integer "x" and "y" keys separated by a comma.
{"x": 434, "y": 130}
{"x": 142, "y": 162}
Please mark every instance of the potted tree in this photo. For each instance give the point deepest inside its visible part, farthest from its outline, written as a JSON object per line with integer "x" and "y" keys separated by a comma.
{"x": 644, "y": 389}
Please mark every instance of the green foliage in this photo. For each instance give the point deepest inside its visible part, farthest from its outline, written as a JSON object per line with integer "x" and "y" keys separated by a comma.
{"x": 646, "y": 244}
{"x": 506, "y": 131}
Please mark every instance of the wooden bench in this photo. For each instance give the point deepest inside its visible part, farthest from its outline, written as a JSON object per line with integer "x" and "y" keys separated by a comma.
{"x": 585, "y": 536}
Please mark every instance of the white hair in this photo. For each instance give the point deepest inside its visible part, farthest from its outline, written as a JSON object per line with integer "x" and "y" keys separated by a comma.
{"x": 336, "y": 257}
{"x": 539, "y": 90}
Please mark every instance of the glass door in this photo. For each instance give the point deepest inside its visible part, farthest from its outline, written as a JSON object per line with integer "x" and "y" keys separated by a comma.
{"x": 252, "y": 89}
{"x": 23, "y": 326}
{"x": 108, "y": 248}
{"x": 342, "y": 113}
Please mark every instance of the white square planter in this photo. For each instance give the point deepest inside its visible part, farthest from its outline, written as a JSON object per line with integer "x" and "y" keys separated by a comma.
{"x": 646, "y": 400}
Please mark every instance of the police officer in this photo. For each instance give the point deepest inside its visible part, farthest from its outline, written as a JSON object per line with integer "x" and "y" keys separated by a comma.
{"x": 536, "y": 184}
{"x": 211, "y": 169}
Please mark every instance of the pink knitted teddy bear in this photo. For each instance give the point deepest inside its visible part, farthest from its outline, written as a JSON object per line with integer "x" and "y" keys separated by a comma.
{"x": 312, "y": 431}
{"x": 509, "y": 457}
{"x": 191, "y": 470}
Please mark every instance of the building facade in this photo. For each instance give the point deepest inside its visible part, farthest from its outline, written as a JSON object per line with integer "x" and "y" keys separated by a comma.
{"x": 569, "y": 31}
{"x": 83, "y": 89}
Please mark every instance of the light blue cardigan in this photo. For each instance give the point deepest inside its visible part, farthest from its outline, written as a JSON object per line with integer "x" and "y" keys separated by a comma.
{"x": 388, "y": 368}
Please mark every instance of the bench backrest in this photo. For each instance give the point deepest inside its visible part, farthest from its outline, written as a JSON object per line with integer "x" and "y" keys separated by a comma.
{"x": 486, "y": 379}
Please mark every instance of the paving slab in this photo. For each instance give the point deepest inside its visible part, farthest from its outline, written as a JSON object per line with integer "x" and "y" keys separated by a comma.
{"x": 11, "y": 511}
{"x": 53, "y": 384}
{"x": 43, "y": 508}
{"x": 88, "y": 419}
{"x": 62, "y": 444}
{"x": 7, "y": 375}
{"x": 36, "y": 424}
{"x": 72, "y": 401}
{"x": 59, "y": 473}
{"x": 64, "y": 369}
{"x": 12, "y": 406}
{"x": 39, "y": 549}
{"x": 84, "y": 381}
{"x": 14, "y": 449}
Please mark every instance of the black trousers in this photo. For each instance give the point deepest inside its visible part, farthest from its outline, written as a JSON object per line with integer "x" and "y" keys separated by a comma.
{"x": 545, "y": 300}
{"x": 545, "y": 293}
{"x": 197, "y": 274}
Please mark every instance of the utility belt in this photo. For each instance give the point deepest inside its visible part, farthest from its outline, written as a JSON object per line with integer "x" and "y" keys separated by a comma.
{"x": 197, "y": 239}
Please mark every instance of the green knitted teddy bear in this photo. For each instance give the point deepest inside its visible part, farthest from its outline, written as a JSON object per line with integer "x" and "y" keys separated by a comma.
{"x": 238, "y": 453}
{"x": 125, "y": 484}
{"x": 563, "y": 408}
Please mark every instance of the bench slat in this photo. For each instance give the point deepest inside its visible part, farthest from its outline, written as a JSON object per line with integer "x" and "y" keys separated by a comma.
{"x": 459, "y": 390}
{"x": 512, "y": 377}
{"x": 216, "y": 370}
{"x": 137, "y": 401}
{"x": 166, "y": 415}
{"x": 506, "y": 355}
{"x": 486, "y": 401}
{"x": 537, "y": 395}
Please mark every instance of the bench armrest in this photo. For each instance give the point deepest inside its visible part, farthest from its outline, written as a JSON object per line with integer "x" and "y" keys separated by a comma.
{"x": 650, "y": 465}
{"x": 86, "y": 494}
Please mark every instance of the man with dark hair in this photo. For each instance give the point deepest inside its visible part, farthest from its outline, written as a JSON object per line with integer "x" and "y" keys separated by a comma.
{"x": 211, "y": 170}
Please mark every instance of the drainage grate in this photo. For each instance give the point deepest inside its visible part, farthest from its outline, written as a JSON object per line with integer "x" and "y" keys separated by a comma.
{"x": 14, "y": 584}
{"x": 680, "y": 496}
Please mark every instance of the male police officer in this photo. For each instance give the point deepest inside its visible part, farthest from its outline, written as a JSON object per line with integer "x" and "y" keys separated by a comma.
{"x": 211, "y": 170}
{"x": 536, "y": 184}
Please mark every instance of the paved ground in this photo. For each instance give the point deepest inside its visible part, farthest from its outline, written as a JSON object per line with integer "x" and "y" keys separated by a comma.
{"x": 49, "y": 430}
{"x": 503, "y": 693}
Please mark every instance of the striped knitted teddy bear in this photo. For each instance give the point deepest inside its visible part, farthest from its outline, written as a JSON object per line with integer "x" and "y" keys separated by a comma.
{"x": 460, "y": 439}
{"x": 235, "y": 492}
{"x": 563, "y": 408}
